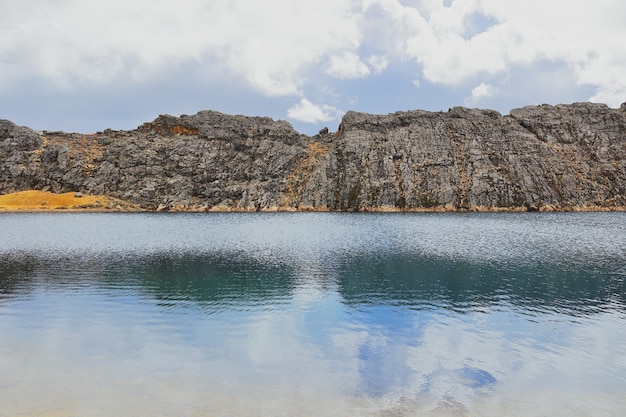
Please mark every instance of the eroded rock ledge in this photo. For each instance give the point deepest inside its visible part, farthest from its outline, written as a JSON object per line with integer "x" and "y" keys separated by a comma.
{"x": 563, "y": 157}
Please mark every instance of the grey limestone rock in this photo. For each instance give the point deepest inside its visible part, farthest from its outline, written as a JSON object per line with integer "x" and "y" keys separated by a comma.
{"x": 536, "y": 158}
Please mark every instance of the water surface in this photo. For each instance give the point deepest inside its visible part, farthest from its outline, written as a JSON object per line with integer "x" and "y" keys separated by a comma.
{"x": 517, "y": 314}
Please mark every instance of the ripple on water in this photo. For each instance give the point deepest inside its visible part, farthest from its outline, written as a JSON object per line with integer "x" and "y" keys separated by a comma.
{"x": 314, "y": 314}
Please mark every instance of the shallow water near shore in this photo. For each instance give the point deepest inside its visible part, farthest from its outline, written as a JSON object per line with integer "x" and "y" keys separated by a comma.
{"x": 313, "y": 314}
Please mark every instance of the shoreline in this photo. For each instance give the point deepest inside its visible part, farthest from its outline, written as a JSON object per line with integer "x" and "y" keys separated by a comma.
{"x": 34, "y": 201}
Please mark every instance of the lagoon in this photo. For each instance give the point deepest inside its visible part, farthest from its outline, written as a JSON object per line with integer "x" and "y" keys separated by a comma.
{"x": 313, "y": 314}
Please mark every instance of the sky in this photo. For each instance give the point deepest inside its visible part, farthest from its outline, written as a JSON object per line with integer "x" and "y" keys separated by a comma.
{"x": 87, "y": 65}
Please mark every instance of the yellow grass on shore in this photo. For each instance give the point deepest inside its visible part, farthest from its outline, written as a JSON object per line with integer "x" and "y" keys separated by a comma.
{"x": 34, "y": 200}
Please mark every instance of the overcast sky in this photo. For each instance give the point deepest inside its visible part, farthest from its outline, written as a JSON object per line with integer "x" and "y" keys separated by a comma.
{"x": 87, "y": 65}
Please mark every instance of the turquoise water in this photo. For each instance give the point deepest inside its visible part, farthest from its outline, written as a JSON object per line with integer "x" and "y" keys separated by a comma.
{"x": 313, "y": 314}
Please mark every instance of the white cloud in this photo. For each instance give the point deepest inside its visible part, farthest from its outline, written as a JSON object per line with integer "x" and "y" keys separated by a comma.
{"x": 377, "y": 63}
{"x": 270, "y": 44}
{"x": 480, "y": 92}
{"x": 347, "y": 65}
{"x": 308, "y": 112}
{"x": 473, "y": 38}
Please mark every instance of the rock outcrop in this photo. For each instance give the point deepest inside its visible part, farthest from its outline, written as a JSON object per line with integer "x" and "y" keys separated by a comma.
{"x": 562, "y": 157}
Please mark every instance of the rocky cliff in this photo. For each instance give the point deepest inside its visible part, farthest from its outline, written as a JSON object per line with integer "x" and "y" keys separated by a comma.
{"x": 536, "y": 158}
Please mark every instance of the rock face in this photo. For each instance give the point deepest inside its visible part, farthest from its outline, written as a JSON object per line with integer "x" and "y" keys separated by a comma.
{"x": 537, "y": 158}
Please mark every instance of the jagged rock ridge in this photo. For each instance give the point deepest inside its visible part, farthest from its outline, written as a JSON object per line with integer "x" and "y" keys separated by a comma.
{"x": 536, "y": 158}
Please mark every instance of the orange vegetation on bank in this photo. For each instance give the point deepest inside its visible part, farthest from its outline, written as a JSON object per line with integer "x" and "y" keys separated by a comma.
{"x": 33, "y": 200}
